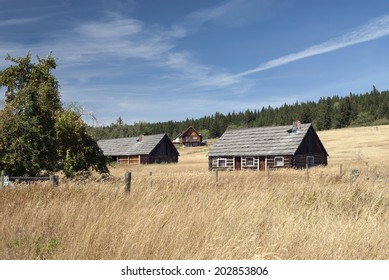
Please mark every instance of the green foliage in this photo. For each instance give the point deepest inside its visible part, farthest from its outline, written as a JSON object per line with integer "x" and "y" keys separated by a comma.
{"x": 35, "y": 130}
{"x": 76, "y": 149}
{"x": 27, "y": 119}
{"x": 383, "y": 121}
{"x": 363, "y": 119}
{"x": 324, "y": 112}
{"x": 327, "y": 113}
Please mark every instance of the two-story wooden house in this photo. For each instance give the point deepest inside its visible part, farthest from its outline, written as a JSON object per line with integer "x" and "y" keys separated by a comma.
{"x": 189, "y": 138}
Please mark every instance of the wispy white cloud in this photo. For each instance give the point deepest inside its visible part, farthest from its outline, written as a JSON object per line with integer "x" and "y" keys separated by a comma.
{"x": 127, "y": 38}
{"x": 112, "y": 29}
{"x": 230, "y": 13}
{"x": 117, "y": 38}
{"x": 212, "y": 13}
{"x": 19, "y": 21}
{"x": 373, "y": 30}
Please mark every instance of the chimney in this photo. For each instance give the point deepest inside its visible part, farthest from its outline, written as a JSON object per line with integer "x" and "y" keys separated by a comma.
{"x": 141, "y": 138}
{"x": 296, "y": 126}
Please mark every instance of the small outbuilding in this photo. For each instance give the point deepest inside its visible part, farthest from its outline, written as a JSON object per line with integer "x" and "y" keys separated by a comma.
{"x": 140, "y": 150}
{"x": 189, "y": 138}
{"x": 296, "y": 145}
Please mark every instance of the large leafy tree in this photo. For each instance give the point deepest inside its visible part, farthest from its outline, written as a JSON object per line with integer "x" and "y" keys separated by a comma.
{"x": 30, "y": 140}
{"x": 76, "y": 149}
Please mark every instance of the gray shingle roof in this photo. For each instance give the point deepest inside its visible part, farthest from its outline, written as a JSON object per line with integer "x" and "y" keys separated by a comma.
{"x": 261, "y": 141}
{"x": 130, "y": 146}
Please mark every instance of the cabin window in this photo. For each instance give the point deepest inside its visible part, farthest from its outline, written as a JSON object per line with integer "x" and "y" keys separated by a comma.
{"x": 250, "y": 161}
{"x": 194, "y": 137}
{"x": 278, "y": 161}
{"x": 222, "y": 162}
{"x": 310, "y": 160}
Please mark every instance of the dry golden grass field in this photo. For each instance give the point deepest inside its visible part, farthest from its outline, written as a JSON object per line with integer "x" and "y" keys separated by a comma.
{"x": 181, "y": 212}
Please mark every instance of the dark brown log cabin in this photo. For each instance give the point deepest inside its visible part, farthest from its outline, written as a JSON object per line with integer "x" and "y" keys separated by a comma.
{"x": 189, "y": 138}
{"x": 140, "y": 150}
{"x": 268, "y": 147}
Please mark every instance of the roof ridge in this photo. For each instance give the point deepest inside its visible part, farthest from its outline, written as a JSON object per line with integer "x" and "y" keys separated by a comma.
{"x": 259, "y": 127}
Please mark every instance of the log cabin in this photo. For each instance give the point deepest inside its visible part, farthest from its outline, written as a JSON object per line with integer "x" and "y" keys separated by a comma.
{"x": 140, "y": 150}
{"x": 293, "y": 146}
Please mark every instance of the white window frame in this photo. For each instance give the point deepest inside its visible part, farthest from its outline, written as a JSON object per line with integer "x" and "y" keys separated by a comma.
{"x": 279, "y": 163}
{"x": 253, "y": 163}
{"x": 221, "y": 159}
{"x": 313, "y": 160}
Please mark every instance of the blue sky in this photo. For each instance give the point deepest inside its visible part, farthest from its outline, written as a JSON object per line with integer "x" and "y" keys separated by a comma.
{"x": 171, "y": 60}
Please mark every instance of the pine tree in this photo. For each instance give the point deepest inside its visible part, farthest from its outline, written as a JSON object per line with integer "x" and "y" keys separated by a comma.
{"x": 345, "y": 112}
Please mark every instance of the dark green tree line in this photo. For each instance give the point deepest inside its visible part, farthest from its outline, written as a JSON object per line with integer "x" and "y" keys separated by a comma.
{"x": 370, "y": 108}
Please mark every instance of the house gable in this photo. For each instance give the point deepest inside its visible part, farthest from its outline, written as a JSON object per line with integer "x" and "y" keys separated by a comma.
{"x": 311, "y": 144}
{"x": 311, "y": 151}
{"x": 164, "y": 151}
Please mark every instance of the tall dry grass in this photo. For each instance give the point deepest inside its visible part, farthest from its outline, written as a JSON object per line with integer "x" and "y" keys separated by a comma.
{"x": 181, "y": 212}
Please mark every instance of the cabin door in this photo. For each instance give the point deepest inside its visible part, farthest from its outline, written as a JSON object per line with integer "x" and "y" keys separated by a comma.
{"x": 262, "y": 163}
{"x": 238, "y": 163}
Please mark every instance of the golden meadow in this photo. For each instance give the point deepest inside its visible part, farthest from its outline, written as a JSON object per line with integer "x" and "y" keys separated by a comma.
{"x": 180, "y": 211}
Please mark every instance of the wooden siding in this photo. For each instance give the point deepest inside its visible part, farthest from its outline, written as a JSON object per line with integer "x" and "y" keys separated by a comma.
{"x": 163, "y": 159}
{"x": 259, "y": 163}
{"x": 288, "y": 162}
{"x": 143, "y": 159}
{"x": 301, "y": 160}
{"x": 123, "y": 160}
{"x": 134, "y": 160}
{"x": 255, "y": 163}
{"x": 213, "y": 163}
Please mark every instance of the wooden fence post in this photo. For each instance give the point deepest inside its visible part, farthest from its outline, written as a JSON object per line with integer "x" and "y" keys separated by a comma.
{"x": 268, "y": 172}
{"x": 2, "y": 178}
{"x": 54, "y": 180}
{"x": 340, "y": 170}
{"x": 127, "y": 181}
{"x": 151, "y": 180}
{"x": 354, "y": 173}
{"x": 307, "y": 167}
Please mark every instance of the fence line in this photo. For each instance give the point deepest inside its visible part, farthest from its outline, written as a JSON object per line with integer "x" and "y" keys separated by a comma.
{"x": 350, "y": 175}
{"x": 8, "y": 180}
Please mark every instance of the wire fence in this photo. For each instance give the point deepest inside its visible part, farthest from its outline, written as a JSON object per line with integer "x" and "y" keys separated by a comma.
{"x": 10, "y": 181}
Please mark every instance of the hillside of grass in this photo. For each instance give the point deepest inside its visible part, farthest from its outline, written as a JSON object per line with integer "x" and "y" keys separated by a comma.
{"x": 181, "y": 211}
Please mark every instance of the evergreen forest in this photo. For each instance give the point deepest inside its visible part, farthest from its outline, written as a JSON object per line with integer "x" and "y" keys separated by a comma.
{"x": 370, "y": 108}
